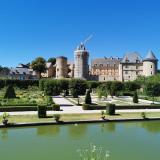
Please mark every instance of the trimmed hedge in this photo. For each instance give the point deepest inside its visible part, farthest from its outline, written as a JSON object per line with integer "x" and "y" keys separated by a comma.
{"x": 56, "y": 107}
{"x": 119, "y": 107}
{"x": 42, "y": 111}
{"x": 18, "y": 83}
{"x": 110, "y": 109}
{"x": 21, "y": 108}
{"x": 93, "y": 107}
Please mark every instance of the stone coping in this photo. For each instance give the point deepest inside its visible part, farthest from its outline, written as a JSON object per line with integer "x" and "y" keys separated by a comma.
{"x": 14, "y": 125}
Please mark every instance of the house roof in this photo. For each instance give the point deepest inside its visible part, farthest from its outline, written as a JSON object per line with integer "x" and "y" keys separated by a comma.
{"x": 132, "y": 57}
{"x": 22, "y": 71}
{"x": 150, "y": 56}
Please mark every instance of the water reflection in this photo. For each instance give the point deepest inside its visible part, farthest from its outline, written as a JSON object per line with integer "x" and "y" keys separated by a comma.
{"x": 48, "y": 130}
{"x": 108, "y": 127}
{"x": 153, "y": 127}
{"x": 77, "y": 130}
{"x": 4, "y": 134}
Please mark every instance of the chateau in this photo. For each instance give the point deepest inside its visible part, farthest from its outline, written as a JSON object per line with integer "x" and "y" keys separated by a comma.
{"x": 127, "y": 68}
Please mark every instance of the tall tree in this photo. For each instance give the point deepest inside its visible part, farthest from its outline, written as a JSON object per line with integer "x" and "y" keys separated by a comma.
{"x": 39, "y": 65}
{"x": 52, "y": 60}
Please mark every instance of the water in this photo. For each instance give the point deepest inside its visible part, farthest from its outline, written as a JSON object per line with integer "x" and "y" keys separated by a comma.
{"x": 124, "y": 141}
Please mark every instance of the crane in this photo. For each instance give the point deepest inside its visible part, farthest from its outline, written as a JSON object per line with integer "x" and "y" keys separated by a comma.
{"x": 87, "y": 39}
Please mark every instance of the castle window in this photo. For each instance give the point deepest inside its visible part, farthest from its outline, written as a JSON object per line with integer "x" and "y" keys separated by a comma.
{"x": 136, "y": 67}
{"x": 126, "y": 66}
{"x": 151, "y": 72}
{"x": 126, "y": 72}
{"x": 151, "y": 66}
{"x": 136, "y": 72}
{"x": 104, "y": 79}
{"x": 137, "y": 61}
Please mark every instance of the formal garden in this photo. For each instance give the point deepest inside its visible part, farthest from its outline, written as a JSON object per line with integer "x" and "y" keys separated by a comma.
{"x": 16, "y": 95}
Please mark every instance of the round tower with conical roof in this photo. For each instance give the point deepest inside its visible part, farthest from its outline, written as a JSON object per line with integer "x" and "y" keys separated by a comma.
{"x": 150, "y": 64}
{"x": 81, "y": 56}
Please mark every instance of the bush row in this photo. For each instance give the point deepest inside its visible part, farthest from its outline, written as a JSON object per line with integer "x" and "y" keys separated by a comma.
{"x": 18, "y": 83}
{"x": 119, "y": 107}
{"x": 54, "y": 107}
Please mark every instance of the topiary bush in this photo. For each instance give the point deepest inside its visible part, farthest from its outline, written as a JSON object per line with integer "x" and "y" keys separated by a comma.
{"x": 42, "y": 111}
{"x": 110, "y": 109}
{"x": 56, "y": 107}
{"x": 88, "y": 99}
{"x": 135, "y": 97}
{"x": 10, "y": 92}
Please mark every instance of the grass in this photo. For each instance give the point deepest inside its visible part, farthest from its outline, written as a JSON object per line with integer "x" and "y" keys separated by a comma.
{"x": 76, "y": 117}
{"x": 24, "y": 96}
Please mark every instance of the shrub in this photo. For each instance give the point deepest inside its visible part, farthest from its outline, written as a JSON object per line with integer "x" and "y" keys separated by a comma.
{"x": 56, "y": 107}
{"x": 143, "y": 114}
{"x": 57, "y": 117}
{"x": 50, "y": 100}
{"x": 88, "y": 99}
{"x": 10, "y": 92}
{"x": 77, "y": 87}
{"x": 135, "y": 97}
{"x": 86, "y": 107}
{"x": 42, "y": 110}
{"x": 110, "y": 109}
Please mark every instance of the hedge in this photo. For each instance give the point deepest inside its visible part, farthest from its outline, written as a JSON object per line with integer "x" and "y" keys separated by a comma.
{"x": 119, "y": 107}
{"x": 22, "y": 108}
{"x": 42, "y": 111}
{"x": 18, "y": 83}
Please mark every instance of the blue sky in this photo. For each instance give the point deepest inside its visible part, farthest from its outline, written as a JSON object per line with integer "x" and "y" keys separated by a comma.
{"x": 49, "y": 28}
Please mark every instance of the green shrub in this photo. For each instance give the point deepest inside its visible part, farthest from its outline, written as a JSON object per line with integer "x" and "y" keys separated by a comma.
{"x": 77, "y": 87}
{"x": 86, "y": 107}
{"x": 135, "y": 97}
{"x": 110, "y": 109}
{"x": 88, "y": 99}
{"x": 56, "y": 107}
{"x": 57, "y": 117}
{"x": 10, "y": 92}
{"x": 42, "y": 110}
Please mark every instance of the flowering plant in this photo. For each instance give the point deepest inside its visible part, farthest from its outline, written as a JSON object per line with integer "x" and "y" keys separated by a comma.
{"x": 93, "y": 153}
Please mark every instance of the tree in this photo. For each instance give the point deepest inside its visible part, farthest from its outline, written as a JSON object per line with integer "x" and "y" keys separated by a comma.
{"x": 88, "y": 99}
{"x": 135, "y": 97}
{"x": 77, "y": 87}
{"x": 52, "y": 60}
{"x": 10, "y": 92}
{"x": 39, "y": 65}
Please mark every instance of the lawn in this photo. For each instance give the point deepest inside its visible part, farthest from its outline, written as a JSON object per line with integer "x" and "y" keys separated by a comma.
{"x": 30, "y": 96}
{"x": 76, "y": 117}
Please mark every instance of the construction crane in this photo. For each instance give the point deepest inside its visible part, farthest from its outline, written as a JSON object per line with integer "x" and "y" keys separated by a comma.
{"x": 87, "y": 39}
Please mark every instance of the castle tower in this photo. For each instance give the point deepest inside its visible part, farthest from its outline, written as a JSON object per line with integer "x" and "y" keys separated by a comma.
{"x": 150, "y": 64}
{"x": 61, "y": 67}
{"x": 81, "y": 56}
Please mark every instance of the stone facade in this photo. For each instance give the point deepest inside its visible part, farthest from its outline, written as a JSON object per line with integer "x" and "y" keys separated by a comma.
{"x": 81, "y": 69}
{"x": 105, "y": 69}
{"x": 61, "y": 67}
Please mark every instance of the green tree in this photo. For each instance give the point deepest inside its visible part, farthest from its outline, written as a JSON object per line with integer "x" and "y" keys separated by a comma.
{"x": 52, "y": 60}
{"x": 135, "y": 97}
{"x": 77, "y": 87}
{"x": 88, "y": 99}
{"x": 10, "y": 92}
{"x": 39, "y": 65}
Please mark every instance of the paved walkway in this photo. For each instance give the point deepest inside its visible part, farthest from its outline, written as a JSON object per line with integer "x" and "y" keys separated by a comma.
{"x": 69, "y": 108}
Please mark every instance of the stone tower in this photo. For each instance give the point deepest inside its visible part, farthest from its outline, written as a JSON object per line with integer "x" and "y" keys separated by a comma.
{"x": 61, "y": 67}
{"x": 81, "y": 56}
{"x": 150, "y": 64}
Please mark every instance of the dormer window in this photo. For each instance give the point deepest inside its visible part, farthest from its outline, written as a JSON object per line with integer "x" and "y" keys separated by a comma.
{"x": 137, "y": 61}
{"x": 127, "y": 60}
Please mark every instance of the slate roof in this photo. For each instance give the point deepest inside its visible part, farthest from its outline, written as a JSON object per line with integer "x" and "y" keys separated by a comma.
{"x": 150, "y": 56}
{"x": 132, "y": 57}
{"x": 106, "y": 62}
{"x": 22, "y": 71}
